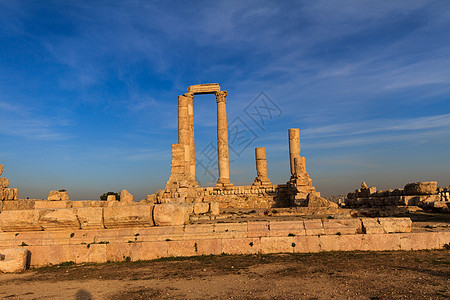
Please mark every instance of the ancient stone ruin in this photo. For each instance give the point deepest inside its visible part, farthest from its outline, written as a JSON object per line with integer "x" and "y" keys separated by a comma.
{"x": 182, "y": 186}
{"x": 185, "y": 219}
{"x": 422, "y": 194}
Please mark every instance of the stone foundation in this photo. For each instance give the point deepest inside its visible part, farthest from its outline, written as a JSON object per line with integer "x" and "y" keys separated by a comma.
{"x": 98, "y": 246}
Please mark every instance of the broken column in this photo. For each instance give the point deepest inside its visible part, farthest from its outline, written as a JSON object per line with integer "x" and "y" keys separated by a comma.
{"x": 222, "y": 141}
{"x": 300, "y": 184}
{"x": 294, "y": 146}
{"x": 261, "y": 168}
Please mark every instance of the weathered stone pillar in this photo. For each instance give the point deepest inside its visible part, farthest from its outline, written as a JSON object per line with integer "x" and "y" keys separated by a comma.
{"x": 299, "y": 166}
{"x": 222, "y": 140}
{"x": 190, "y": 97}
{"x": 294, "y": 146}
{"x": 261, "y": 167}
{"x": 184, "y": 136}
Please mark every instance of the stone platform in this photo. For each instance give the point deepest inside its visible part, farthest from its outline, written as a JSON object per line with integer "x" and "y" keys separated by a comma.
{"x": 98, "y": 246}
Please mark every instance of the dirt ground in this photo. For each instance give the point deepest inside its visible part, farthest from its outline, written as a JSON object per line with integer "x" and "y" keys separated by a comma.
{"x": 332, "y": 275}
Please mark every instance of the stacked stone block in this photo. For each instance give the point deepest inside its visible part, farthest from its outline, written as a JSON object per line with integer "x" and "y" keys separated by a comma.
{"x": 413, "y": 194}
{"x": 6, "y": 193}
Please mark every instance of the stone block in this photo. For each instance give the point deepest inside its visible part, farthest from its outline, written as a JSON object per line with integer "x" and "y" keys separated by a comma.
{"x": 201, "y": 208}
{"x": 20, "y": 220}
{"x": 111, "y": 198}
{"x": 371, "y": 226}
{"x": 209, "y": 246}
{"x": 13, "y": 260}
{"x": 286, "y": 228}
{"x": 1, "y": 169}
{"x": 350, "y": 242}
{"x": 278, "y": 244}
{"x": 169, "y": 214}
{"x": 11, "y": 194}
{"x": 90, "y": 253}
{"x": 149, "y": 250}
{"x": 59, "y": 219}
{"x": 207, "y": 88}
{"x": 4, "y": 183}
{"x": 230, "y": 230}
{"x": 43, "y": 238}
{"x": 241, "y": 246}
{"x": 214, "y": 208}
{"x": 314, "y": 227}
{"x": 182, "y": 248}
{"x": 342, "y": 226}
{"x": 58, "y": 196}
{"x": 43, "y": 204}
{"x": 118, "y": 251}
{"x": 128, "y": 216}
{"x": 395, "y": 225}
{"x": 22, "y": 204}
{"x": 258, "y": 229}
{"x": 380, "y": 242}
{"x": 90, "y": 217}
{"x": 198, "y": 230}
{"x": 420, "y": 188}
{"x": 420, "y": 241}
{"x": 126, "y": 196}
{"x": 306, "y": 244}
{"x": 329, "y": 243}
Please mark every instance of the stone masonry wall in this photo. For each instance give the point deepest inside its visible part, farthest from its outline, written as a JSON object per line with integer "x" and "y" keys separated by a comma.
{"x": 248, "y": 196}
{"x": 144, "y": 243}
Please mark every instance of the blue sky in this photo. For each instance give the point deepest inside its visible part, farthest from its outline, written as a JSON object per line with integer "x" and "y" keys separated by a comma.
{"x": 88, "y": 90}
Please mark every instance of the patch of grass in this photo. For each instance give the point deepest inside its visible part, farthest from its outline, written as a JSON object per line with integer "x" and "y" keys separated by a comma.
{"x": 24, "y": 244}
{"x": 66, "y": 264}
{"x": 291, "y": 234}
{"x": 72, "y": 235}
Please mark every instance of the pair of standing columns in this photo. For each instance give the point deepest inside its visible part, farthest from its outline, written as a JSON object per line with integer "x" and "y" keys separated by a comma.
{"x": 186, "y": 134}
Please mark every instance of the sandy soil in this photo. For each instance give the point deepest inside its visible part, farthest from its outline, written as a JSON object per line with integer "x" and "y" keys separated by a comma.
{"x": 333, "y": 275}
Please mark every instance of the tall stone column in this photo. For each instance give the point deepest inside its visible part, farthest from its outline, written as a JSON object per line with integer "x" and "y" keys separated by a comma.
{"x": 190, "y": 98}
{"x": 261, "y": 167}
{"x": 294, "y": 146}
{"x": 222, "y": 140}
{"x": 184, "y": 130}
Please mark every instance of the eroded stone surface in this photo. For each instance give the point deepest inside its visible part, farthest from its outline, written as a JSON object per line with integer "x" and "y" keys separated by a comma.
{"x": 316, "y": 201}
{"x": 20, "y": 220}
{"x": 421, "y": 188}
{"x": 58, "y": 195}
{"x": 4, "y": 182}
{"x": 170, "y": 214}
{"x": 128, "y": 216}
{"x": 59, "y": 219}
{"x": 126, "y": 196}
{"x": 13, "y": 260}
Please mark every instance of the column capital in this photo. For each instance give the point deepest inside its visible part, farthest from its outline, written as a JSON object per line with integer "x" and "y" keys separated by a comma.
{"x": 189, "y": 95}
{"x": 221, "y": 96}
{"x": 183, "y": 100}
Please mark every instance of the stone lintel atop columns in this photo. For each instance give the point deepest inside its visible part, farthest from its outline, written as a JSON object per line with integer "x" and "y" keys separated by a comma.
{"x": 207, "y": 88}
